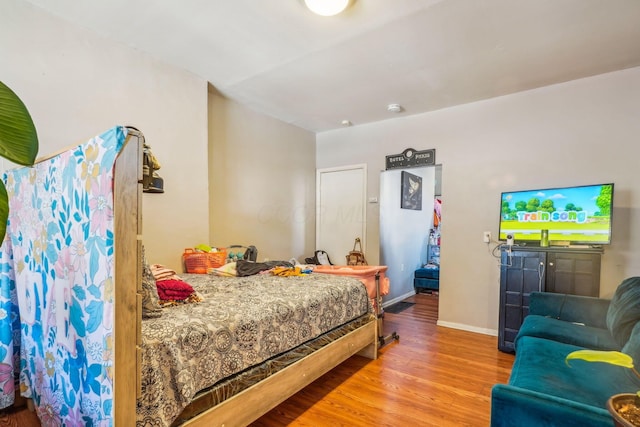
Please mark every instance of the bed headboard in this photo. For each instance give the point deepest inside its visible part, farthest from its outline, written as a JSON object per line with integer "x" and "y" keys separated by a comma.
{"x": 70, "y": 267}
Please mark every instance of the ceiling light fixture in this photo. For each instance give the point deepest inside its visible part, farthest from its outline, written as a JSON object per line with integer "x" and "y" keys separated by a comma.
{"x": 327, "y": 7}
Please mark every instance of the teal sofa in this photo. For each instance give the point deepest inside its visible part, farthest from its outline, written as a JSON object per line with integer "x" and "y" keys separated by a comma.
{"x": 543, "y": 390}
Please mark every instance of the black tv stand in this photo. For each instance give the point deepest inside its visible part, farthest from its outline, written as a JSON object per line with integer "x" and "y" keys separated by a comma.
{"x": 566, "y": 270}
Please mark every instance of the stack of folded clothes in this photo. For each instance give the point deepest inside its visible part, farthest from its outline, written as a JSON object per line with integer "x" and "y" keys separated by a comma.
{"x": 171, "y": 288}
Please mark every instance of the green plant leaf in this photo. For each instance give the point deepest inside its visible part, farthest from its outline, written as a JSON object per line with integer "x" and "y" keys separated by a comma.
{"x": 611, "y": 357}
{"x": 4, "y": 210}
{"x": 18, "y": 137}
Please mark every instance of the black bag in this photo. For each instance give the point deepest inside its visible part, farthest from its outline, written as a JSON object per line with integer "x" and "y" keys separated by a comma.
{"x": 251, "y": 254}
{"x": 320, "y": 257}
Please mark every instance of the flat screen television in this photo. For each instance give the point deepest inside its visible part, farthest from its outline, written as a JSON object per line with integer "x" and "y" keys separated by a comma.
{"x": 579, "y": 215}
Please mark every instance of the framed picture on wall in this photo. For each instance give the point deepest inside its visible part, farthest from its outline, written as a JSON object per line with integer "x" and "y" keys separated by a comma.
{"x": 411, "y": 191}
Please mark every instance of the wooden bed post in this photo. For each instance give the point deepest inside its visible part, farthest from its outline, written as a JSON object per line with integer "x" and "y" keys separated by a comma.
{"x": 127, "y": 301}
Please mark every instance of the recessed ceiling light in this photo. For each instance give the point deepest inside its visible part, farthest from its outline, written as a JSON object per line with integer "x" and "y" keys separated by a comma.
{"x": 346, "y": 123}
{"x": 327, "y": 7}
{"x": 394, "y": 108}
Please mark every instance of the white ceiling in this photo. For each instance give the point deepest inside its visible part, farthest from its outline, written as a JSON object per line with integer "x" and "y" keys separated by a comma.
{"x": 278, "y": 58}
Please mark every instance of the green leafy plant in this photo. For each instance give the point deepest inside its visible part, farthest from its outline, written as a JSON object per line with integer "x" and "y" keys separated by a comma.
{"x": 18, "y": 142}
{"x": 611, "y": 357}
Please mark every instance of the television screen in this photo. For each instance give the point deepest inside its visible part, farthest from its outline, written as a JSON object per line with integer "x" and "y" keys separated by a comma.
{"x": 575, "y": 215}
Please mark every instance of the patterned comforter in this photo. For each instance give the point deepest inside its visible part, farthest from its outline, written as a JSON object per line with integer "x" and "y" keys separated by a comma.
{"x": 242, "y": 322}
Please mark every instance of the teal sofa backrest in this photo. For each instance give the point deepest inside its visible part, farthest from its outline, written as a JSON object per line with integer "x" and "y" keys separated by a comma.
{"x": 632, "y": 347}
{"x": 624, "y": 310}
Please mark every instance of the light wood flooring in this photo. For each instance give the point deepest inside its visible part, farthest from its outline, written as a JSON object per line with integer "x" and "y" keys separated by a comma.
{"x": 434, "y": 376}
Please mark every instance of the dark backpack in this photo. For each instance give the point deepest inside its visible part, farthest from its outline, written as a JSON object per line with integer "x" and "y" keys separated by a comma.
{"x": 320, "y": 257}
{"x": 251, "y": 254}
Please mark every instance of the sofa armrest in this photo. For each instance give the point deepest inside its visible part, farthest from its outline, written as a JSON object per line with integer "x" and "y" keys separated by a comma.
{"x": 590, "y": 311}
{"x": 515, "y": 406}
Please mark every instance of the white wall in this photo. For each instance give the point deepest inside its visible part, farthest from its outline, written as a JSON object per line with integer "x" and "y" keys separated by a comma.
{"x": 77, "y": 84}
{"x": 581, "y": 132}
{"x": 262, "y": 182}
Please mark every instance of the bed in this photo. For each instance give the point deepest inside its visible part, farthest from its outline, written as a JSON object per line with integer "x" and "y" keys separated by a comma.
{"x": 71, "y": 302}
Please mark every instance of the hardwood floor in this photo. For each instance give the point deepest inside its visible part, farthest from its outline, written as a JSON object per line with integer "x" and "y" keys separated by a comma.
{"x": 18, "y": 417}
{"x": 433, "y": 376}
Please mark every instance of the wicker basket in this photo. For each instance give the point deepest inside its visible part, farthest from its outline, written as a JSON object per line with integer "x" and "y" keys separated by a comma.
{"x": 200, "y": 262}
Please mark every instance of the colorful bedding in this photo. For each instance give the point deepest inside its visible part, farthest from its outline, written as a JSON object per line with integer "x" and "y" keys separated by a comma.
{"x": 241, "y": 323}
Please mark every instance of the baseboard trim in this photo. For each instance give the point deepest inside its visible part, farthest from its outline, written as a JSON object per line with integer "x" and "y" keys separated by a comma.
{"x": 453, "y": 325}
{"x": 469, "y": 328}
{"x": 398, "y": 299}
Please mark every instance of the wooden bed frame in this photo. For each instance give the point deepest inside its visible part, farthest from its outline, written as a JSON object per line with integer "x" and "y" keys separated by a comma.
{"x": 240, "y": 409}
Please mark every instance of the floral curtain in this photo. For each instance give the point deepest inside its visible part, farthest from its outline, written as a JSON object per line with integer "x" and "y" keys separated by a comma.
{"x": 56, "y": 285}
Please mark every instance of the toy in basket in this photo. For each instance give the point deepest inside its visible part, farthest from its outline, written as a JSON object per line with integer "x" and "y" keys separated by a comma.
{"x": 198, "y": 262}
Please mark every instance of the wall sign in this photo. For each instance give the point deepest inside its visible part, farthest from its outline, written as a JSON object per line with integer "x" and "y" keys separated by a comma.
{"x": 411, "y": 158}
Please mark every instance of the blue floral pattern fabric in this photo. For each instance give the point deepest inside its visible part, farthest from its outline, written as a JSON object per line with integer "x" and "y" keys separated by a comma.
{"x": 9, "y": 334}
{"x": 56, "y": 284}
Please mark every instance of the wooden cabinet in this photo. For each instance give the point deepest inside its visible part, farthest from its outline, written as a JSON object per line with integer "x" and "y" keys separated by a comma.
{"x": 522, "y": 271}
{"x": 573, "y": 273}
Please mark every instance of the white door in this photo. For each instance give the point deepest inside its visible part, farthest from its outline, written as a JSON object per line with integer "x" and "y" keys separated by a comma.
{"x": 340, "y": 210}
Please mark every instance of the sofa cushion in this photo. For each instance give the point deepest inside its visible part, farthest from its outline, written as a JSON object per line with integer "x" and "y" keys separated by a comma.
{"x": 571, "y": 308}
{"x": 624, "y": 310}
{"x": 540, "y": 366}
{"x": 567, "y": 332}
{"x": 518, "y": 407}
